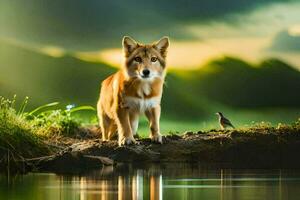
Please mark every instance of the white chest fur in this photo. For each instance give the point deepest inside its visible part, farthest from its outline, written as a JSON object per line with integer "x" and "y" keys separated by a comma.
{"x": 145, "y": 89}
{"x": 140, "y": 104}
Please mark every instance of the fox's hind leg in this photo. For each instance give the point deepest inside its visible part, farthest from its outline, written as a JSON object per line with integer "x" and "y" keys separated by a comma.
{"x": 112, "y": 130}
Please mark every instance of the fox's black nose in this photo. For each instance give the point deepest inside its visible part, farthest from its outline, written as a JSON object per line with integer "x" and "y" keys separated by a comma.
{"x": 146, "y": 72}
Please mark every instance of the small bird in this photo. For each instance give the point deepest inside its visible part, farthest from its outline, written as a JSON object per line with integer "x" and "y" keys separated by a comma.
{"x": 224, "y": 122}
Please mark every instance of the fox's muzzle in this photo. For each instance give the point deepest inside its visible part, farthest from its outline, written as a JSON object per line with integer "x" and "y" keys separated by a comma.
{"x": 145, "y": 73}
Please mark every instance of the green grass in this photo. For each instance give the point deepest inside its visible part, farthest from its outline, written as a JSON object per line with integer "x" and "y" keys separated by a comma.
{"x": 17, "y": 135}
{"x": 54, "y": 121}
{"x": 241, "y": 118}
{"x": 23, "y": 134}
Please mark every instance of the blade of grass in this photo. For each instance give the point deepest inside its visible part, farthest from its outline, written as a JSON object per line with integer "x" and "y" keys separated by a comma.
{"x": 23, "y": 106}
{"x": 42, "y": 107}
{"x": 80, "y": 108}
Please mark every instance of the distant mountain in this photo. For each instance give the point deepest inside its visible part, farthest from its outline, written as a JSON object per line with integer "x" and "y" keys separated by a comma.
{"x": 234, "y": 82}
{"x": 45, "y": 79}
{"x": 187, "y": 94}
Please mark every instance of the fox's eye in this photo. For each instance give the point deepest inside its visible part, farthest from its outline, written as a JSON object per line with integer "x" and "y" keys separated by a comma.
{"x": 138, "y": 59}
{"x": 153, "y": 59}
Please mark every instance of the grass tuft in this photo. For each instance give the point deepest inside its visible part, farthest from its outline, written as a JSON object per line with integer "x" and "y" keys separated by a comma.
{"x": 17, "y": 135}
{"x": 56, "y": 122}
{"x": 23, "y": 134}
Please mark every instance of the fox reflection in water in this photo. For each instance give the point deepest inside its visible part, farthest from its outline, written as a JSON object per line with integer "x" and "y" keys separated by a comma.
{"x": 139, "y": 185}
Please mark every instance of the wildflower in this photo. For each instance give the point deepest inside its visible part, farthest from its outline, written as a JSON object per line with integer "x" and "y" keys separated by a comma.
{"x": 70, "y": 106}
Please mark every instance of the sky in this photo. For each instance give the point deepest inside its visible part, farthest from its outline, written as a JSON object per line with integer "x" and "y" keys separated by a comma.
{"x": 199, "y": 31}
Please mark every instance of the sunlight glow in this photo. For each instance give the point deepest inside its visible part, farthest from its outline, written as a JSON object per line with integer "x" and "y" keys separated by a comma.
{"x": 294, "y": 30}
{"x": 53, "y": 51}
{"x": 190, "y": 54}
{"x": 110, "y": 56}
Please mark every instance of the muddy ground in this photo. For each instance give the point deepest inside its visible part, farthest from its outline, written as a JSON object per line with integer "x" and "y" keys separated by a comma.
{"x": 255, "y": 148}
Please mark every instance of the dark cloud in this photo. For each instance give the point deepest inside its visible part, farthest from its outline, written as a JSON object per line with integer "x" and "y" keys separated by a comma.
{"x": 89, "y": 24}
{"x": 284, "y": 42}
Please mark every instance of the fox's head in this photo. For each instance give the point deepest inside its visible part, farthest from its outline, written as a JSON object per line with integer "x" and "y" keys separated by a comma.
{"x": 145, "y": 62}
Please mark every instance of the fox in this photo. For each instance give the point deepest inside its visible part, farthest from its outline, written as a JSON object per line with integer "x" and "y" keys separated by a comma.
{"x": 135, "y": 89}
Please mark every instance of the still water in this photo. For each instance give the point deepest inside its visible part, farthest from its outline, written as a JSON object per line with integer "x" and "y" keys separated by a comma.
{"x": 171, "y": 181}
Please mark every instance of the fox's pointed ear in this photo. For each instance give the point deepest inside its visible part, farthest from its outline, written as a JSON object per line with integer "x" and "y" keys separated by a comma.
{"x": 129, "y": 45}
{"x": 162, "y": 45}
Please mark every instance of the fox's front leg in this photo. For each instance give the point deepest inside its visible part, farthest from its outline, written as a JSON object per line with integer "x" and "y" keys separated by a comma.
{"x": 153, "y": 115}
{"x": 124, "y": 127}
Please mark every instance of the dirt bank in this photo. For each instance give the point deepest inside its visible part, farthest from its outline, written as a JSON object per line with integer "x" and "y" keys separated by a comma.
{"x": 255, "y": 148}
{"x": 251, "y": 148}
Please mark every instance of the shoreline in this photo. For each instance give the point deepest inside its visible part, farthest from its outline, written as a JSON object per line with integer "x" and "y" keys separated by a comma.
{"x": 245, "y": 148}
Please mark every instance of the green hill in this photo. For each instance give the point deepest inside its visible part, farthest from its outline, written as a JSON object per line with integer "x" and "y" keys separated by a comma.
{"x": 45, "y": 79}
{"x": 188, "y": 94}
{"x": 234, "y": 82}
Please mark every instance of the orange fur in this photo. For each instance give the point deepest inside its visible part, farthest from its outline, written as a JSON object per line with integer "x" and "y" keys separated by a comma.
{"x": 131, "y": 91}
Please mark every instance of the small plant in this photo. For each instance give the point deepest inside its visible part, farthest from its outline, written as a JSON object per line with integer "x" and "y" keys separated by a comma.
{"x": 56, "y": 121}
{"x": 22, "y": 107}
{"x": 17, "y": 135}
{"x": 26, "y": 130}
{"x": 24, "y": 134}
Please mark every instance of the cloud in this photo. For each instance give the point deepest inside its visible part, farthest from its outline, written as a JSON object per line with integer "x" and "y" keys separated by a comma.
{"x": 286, "y": 41}
{"x": 81, "y": 24}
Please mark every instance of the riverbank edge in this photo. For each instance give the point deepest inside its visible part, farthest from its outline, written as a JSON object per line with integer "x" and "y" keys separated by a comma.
{"x": 261, "y": 147}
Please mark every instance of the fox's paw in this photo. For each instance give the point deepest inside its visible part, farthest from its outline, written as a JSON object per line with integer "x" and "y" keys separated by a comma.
{"x": 156, "y": 138}
{"x": 127, "y": 141}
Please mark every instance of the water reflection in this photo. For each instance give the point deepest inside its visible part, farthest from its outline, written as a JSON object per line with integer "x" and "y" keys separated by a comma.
{"x": 155, "y": 182}
{"x": 139, "y": 184}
